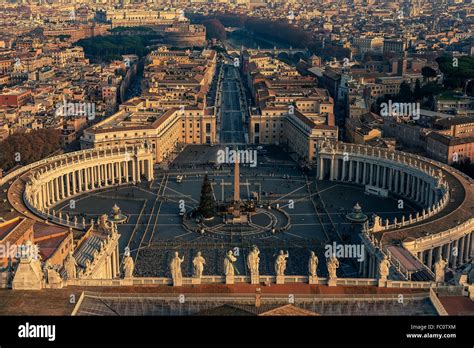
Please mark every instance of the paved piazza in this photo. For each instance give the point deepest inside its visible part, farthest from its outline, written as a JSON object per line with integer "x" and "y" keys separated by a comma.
{"x": 154, "y": 229}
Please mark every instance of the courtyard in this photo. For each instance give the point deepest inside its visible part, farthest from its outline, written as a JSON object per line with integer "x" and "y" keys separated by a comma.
{"x": 317, "y": 210}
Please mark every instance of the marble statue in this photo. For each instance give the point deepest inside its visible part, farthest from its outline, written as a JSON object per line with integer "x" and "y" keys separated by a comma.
{"x": 280, "y": 263}
{"x": 70, "y": 265}
{"x": 175, "y": 267}
{"x": 53, "y": 277}
{"x": 253, "y": 261}
{"x": 313, "y": 264}
{"x": 229, "y": 268}
{"x": 104, "y": 224}
{"x": 384, "y": 268}
{"x": 198, "y": 265}
{"x": 333, "y": 264}
{"x": 439, "y": 270}
{"x": 128, "y": 266}
{"x": 377, "y": 223}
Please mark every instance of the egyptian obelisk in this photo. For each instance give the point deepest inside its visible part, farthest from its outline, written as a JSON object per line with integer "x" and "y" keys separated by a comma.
{"x": 236, "y": 178}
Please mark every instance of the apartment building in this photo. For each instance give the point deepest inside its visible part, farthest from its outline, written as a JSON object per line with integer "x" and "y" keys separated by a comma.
{"x": 164, "y": 130}
{"x": 448, "y": 149}
{"x": 367, "y": 44}
{"x": 291, "y": 110}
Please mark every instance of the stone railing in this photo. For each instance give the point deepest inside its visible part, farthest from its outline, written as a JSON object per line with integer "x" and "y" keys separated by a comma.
{"x": 437, "y": 304}
{"x": 59, "y": 220}
{"x": 424, "y": 164}
{"x": 402, "y": 270}
{"x": 425, "y": 214}
{"x": 246, "y": 279}
{"x": 65, "y": 156}
{"x": 452, "y": 233}
{"x": 394, "y": 262}
{"x": 46, "y": 160}
{"x": 407, "y": 284}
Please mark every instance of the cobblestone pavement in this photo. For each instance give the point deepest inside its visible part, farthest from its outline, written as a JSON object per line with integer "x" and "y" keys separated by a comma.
{"x": 154, "y": 229}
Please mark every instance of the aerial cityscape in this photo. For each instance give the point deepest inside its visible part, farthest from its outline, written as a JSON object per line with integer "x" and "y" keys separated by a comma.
{"x": 237, "y": 157}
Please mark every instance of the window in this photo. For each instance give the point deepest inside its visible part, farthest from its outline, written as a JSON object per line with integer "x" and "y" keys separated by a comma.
{"x": 208, "y": 127}
{"x": 257, "y": 127}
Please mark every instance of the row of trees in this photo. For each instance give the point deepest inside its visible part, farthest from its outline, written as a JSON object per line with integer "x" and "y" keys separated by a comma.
{"x": 275, "y": 30}
{"x": 111, "y": 47}
{"x": 280, "y": 31}
{"x": 25, "y": 148}
{"x": 214, "y": 29}
{"x": 456, "y": 70}
{"x": 422, "y": 94}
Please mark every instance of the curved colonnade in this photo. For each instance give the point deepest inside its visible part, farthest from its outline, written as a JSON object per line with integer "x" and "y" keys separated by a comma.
{"x": 445, "y": 222}
{"x": 71, "y": 175}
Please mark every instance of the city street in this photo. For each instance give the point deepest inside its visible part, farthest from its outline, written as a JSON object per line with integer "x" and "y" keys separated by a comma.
{"x": 232, "y": 126}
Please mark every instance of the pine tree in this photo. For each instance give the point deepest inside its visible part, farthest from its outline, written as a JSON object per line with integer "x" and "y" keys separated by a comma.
{"x": 418, "y": 92}
{"x": 207, "y": 204}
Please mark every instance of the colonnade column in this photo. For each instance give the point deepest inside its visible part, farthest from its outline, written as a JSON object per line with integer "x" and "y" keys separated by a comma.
{"x": 351, "y": 165}
{"x": 358, "y": 172}
{"x": 467, "y": 252}
{"x": 343, "y": 174}
{"x": 126, "y": 171}
{"x": 430, "y": 258}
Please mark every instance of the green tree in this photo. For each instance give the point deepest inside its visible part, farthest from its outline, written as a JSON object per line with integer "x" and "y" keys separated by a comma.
{"x": 405, "y": 95}
{"x": 24, "y": 148}
{"x": 428, "y": 73}
{"x": 418, "y": 92}
{"x": 214, "y": 29}
{"x": 207, "y": 204}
